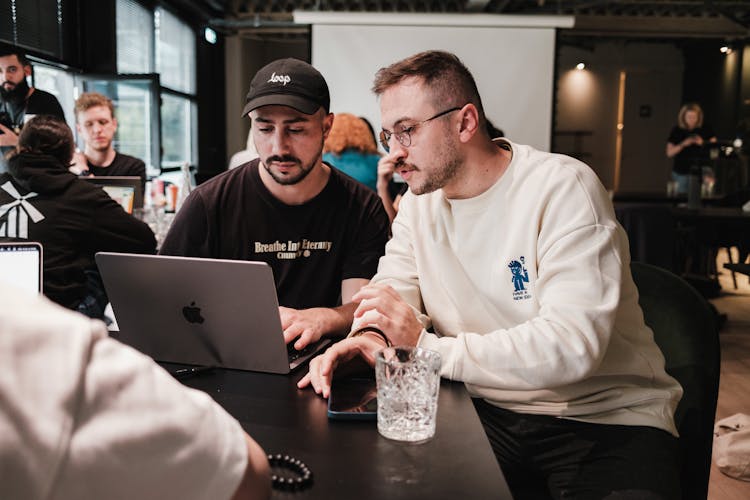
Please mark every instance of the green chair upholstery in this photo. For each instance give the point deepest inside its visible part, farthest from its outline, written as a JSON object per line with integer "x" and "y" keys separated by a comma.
{"x": 685, "y": 329}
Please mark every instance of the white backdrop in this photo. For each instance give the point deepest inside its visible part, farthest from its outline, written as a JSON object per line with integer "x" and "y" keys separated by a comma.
{"x": 513, "y": 66}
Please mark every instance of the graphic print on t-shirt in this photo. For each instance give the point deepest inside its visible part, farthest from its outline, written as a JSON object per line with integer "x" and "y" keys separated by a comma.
{"x": 289, "y": 250}
{"x": 17, "y": 213}
{"x": 519, "y": 276}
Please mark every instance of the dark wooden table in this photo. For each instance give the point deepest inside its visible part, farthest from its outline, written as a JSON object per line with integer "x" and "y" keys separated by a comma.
{"x": 684, "y": 240}
{"x": 349, "y": 459}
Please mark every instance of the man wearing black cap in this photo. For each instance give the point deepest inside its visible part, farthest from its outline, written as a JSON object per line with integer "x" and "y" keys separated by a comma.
{"x": 321, "y": 232}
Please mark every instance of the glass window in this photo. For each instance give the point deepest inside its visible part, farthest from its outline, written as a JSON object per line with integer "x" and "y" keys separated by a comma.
{"x": 178, "y": 130}
{"x": 58, "y": 83}
{"x": 175, "y": 52}
{"x": 135, "y": 38}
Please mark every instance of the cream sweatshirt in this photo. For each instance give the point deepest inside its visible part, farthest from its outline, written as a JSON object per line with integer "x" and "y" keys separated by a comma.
{"x": 529, "y": 292}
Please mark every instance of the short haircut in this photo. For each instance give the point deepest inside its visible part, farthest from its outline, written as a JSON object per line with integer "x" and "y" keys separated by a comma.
{"x": 11, "y": 50}
{"x": 47, "y": 135}
{"x": 690, "y": 106}
{"x": 349, "y": 132}
{"x": 89, "y": 100}
{"x": 449, "y": 81}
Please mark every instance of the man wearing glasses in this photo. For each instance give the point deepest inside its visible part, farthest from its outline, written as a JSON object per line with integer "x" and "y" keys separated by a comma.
{"x": 321, "y": 232}
{"x": 509, "y": 262}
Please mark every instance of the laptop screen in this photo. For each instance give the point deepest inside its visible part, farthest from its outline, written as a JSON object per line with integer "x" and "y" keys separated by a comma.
{"x": 125, "y": 190}
{"x": 21, "y": 265}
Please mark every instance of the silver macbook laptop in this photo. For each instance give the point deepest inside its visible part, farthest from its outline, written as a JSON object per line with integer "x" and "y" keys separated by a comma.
{"x": 207, "y": 312}
{"x": 21, "y": 265}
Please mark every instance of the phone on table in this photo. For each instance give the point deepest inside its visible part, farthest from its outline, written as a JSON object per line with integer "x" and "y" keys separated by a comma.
{"x": 353, "y": 399}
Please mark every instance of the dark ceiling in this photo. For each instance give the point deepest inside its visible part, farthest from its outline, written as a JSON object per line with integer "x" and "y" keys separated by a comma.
{"x": 667, "y": 18}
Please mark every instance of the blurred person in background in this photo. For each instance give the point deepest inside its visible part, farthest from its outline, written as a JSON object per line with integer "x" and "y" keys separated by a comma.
{"x": 19, "y": 101}
{"x": 42, "y": 201}
{"x": 686, "y": 144}
{"x": 351, "y": 148}
{"x": 97, "y": 125}
{"x": 246, "y": 155}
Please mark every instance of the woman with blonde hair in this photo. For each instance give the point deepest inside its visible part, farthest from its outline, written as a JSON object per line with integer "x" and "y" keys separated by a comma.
{"x": 351, "y": 148}
{"x": 686, "y": 143}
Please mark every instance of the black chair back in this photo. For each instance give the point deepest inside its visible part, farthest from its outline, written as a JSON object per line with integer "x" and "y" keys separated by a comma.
{"x": 685, "y": 329}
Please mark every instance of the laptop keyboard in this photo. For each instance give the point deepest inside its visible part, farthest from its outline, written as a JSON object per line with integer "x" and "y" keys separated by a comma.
{"x": 294, "y": 354}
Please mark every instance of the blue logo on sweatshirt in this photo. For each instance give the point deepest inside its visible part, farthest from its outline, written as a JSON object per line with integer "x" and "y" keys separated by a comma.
{"x": 519, "y": 278}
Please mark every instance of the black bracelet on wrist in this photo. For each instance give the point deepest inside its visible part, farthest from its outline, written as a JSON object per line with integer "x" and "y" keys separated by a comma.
{"x": 303, "y": 479}
{"x": 376, "y": 331}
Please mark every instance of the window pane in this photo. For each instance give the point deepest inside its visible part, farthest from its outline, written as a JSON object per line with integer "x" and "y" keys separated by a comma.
{"x": 58, "y": 83}
{"x": 21, "y": 23}
{"x": 177, "y": 130}
{"x": 175, "y": 52}
{"x": 135, "y": 38}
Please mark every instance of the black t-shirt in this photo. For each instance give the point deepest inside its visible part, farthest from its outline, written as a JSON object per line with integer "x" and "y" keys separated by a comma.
{"x": 44, "y": 103}
{"x": 339, "y": 234}
{"x": 122, "y": 165}
{"x": 692, "y": 154}
{"x": 38, "y": 103}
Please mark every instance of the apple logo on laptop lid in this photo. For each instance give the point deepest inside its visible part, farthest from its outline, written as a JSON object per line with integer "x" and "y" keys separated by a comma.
{"x": 192, "y": 313}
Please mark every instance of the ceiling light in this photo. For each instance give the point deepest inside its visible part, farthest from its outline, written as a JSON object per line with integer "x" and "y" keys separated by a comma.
{"x": 210, "y": 35}
{"x": 580, "y": 66}
{"x": 725, "y": 49}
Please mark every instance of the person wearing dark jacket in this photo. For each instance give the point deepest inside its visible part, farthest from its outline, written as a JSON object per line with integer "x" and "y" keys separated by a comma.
{"x": 40, "y": 200}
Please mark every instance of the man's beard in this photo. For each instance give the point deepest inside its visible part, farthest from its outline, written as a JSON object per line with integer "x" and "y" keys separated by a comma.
{"x": 439, "y": 177}
{"x": 16, "y": 95}
{"x": 288, "y": 180}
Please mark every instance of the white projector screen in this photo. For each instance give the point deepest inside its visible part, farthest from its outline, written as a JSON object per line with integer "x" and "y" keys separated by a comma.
{"x": 513, "y": 68}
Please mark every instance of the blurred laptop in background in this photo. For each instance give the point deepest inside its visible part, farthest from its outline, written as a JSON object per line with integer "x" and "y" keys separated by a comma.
{"x": 21, "y": 265}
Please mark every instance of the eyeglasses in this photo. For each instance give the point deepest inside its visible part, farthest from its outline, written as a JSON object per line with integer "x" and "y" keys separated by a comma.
{"x": 403, "y": 136}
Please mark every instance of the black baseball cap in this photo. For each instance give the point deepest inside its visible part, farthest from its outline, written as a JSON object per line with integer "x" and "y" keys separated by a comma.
{"x": 288, "y": 82}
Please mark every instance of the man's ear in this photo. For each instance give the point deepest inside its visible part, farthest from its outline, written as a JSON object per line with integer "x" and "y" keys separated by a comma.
{"x": 114, "y": 122}
{"x": 327, "y": 125}
{"x": 469, "y": 124}
{"x": 27, "y": 70}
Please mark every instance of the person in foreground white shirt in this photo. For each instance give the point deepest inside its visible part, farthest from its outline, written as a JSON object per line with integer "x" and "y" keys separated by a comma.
{"x": 85, "y": 417}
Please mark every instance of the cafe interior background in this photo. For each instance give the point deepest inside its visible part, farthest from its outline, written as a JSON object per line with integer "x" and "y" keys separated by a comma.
{"x": 179, "y": 68}
{"x": 599, "y": 80}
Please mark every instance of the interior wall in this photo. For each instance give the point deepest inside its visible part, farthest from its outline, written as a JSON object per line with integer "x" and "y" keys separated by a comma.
{"x": 244, "y": 57}
{"x": 210, "y": 100}
{"x": 515, "y": 85}
{"x": 744, "y": 99}
{"x": 586, "y": 111}
{"x": 712, "y": 79}
{"x": 587, "y": 101}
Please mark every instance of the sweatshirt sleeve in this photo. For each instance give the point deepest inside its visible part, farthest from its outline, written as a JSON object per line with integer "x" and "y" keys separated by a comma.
{"x": 398, "y": 267}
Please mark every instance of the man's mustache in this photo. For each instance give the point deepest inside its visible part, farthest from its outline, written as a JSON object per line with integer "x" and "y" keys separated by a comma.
{"x": 282, "y": 159}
